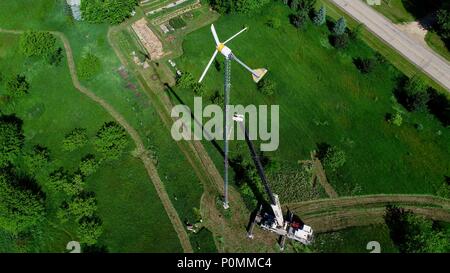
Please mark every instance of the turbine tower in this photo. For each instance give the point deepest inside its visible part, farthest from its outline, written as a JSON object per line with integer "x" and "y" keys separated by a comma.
{"x": 257, "y": 74}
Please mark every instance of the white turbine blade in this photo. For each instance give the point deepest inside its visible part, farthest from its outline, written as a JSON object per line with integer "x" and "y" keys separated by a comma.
{"x": 216, "y": 38}
{"x": 209, "y": 64}
{"x": 235, "y": 35}
{"x": 245, "y": 66}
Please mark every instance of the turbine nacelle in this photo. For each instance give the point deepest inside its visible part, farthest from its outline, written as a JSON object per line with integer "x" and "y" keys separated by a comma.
{"x": 226, "y": 51}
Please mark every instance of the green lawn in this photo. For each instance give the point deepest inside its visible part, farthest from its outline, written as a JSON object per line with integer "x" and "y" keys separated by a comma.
{"x": 134, "y": 219}
{"x": 324, "y": 98}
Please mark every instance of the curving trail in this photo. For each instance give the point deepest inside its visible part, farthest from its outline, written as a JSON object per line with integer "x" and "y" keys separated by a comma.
{"x": 334, "y": 214}
{"x": 140, "y": 148}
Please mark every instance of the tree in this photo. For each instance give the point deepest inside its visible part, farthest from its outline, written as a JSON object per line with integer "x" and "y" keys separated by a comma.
{"x": 74, "y": 185}
{"x": 334, "y": 158}
{"x": 321, "y": 16}
{"x": 198, "y": 88}
{"x": 74, "y": 140}
{"x": 299, "y": 19}
{"x": 249, "y": 6}
{"x": 37, "y": 159}
{"x": 340, "y": 41}
{"x": 415, "y": 95}
{"x": 17, "y": 86}
{"x": 415, "y": 234}
{"x": 57, "y": 179}
{"x": 89, "y": 66}
{"x": 396, "y": 119}
{"x": 365, "y": 65}
{"x": 185, "y": 81}
{"x": 111, "y": 140}
{"x": 443, "y": 23}
{"x": 340, "y": 27}
{"x": 11, "y": 140}
{"x": 37, "y": 43}
{"x": 107, "y": 11}
{"x": 20, "y": 209}
{"x": 267, "y": 86}
{"x": 81, "y": 207}
{"x": 61, "y": 181}
{"x": 88, "y": 165}
{"x": 89, "y": 230}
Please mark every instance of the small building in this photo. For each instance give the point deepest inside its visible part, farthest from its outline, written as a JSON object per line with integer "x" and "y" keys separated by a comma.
{"x": 75, "y": 6}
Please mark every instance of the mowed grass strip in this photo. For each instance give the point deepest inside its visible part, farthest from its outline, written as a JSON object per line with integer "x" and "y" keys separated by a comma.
{"x": 324, "y": 98}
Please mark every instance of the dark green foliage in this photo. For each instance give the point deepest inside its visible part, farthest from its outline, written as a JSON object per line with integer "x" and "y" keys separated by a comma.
{"x": 177, "y": 22}
{"x": 111, "y": 140}
{"x": 17, "y": 86}
{"x": 340, "y": 27}
{"x": 198, "y": 88}
{"x": 414, "y": 94}
{"x": 299, "y": 19}
{"x": 37, "y": 159}
{"x": 217, "y": 97}
{"x": 185, "y": 81}
{"x": 267, "y": 86}
{"x": 11, "y": 139}
{"x": 89, "y": 230}
{"x": 61, "y": 181}
{"x": 84, "y": 206}
{"x": 75, "y": 140}
{"x": 37, "y": 43}
{"x": 320, "y": 16}
{"x": 107, "y": 11}
{"x": 274, "y": 23}
{"x": 365, "y": 65}
{"x": 20, "y": 208}
{"x": 340, "y": 41}
{"x": 89, "y": 66}
{"x": 88, "y": 165}
{"x": 334, "y": 158}
{"x": 239, "y": 6}
{"x": 55, "y": 57}
{"x": 443, "y": 23}
{"x": 415, "y": 234}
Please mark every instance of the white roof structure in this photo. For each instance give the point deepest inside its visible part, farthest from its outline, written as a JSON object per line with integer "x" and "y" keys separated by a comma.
{"x": 75, "y": 7}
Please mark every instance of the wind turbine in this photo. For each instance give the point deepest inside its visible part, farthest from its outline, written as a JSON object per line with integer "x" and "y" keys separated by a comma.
{"x": 257, "y": 74}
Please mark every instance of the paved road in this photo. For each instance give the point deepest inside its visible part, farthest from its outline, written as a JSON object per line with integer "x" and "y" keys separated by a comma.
{"x": 423, "y": 57}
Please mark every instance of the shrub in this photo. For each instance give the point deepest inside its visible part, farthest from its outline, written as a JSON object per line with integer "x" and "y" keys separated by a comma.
{"x": 17, "y": 86}
{"x": 396, "y": 119}
{"x": 37, "y": 43}
{"x": 334, "y": 158}
{"x": 88, "y": 165}
{"x": 267, "y": 86}
{"x": 75, "y": 140}
{"x": 111, "y": 140}
{"x": 365, "y": 65}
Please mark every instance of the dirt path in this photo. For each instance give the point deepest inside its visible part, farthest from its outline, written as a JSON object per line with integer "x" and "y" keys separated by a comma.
{"x": 140, "y": 148}
{"x": 334, "y": 214}
{"x": 231, "y": 230}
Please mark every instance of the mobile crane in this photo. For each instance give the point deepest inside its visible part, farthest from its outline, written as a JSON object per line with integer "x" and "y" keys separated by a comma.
{"x": 273, "y": 220}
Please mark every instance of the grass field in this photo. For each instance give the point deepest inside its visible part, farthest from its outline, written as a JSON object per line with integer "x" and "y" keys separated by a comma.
{"x": 324, "y": 98}
{"x": 133, "y": 217}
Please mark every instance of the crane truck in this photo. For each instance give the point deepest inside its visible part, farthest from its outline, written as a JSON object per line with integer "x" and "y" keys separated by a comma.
{"x": 273, "y": 220}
